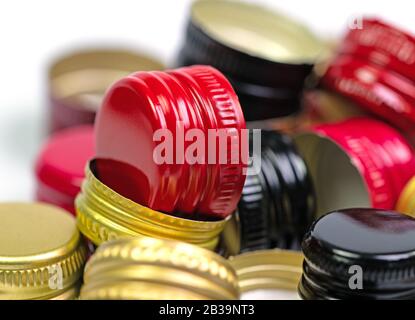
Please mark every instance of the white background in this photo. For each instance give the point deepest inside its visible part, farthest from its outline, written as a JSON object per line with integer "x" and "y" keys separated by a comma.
{"x": 34, "y": 32}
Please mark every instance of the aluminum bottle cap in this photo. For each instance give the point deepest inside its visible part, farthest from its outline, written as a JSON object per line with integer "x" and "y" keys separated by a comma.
{"x": 41, "y": 252}
{"x": 148, "y": 268}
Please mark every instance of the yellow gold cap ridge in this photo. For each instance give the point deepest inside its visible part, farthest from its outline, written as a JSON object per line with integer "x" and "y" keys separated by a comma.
{"x": 28, "y": 283}
{"x": 125, "y": 260}
{"x": 136, "y": 291}
{"x": 276, "y": 269}
{"x": 103, "y": 214}
{"x": 28, "y": 273}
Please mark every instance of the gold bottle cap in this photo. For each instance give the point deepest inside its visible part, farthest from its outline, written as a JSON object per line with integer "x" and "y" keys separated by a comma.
{"x": 256, "y": 30}
{"x": 104, "y": 215}
{"x": 230, "y": 244}
{"x": 82, "y": 78}
{"x": 406, "y": 201}
{"x": 268, "y": 270}
{"x": 150, "y": 268}
{"x": 41, "y": 252}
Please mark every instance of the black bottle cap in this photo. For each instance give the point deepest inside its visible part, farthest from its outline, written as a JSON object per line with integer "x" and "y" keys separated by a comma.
{"x": 381, "y": 243}
{"x": 248, "y": 227}
{"x": 267, "y": 68}
{"x": 295, "y": 194}
{"x": 253, "y": 214}
{"x": 276, "y": 204}
{"x": 275, "y": 207}
{"x": 202, "y": 48}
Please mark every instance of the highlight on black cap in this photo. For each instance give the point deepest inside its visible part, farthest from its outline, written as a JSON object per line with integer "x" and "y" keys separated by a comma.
{"x": 359, "y": 254}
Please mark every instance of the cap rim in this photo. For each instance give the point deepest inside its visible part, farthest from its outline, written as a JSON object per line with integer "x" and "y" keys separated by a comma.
{"x": 157, "y": 254}
{"x": 268, "y": 269}
{"x": 96, "y": 202}
{"x": 378, "y": 270}
{"x": 32, "y": 282}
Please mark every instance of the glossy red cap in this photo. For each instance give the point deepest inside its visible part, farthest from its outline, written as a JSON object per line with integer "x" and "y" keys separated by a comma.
{"x": 383, "y": 44}
{"x": 369, "y": 73}
{"x": 198, "y": 97}
{"x": 384, "y": 158}
{"x": 381, "y": 92}
{"x": 61, "y": 165}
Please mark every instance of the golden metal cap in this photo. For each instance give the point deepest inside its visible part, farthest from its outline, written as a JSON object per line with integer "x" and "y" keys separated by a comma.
{"x": 41, "y": 252}
{"x": 82, "y": 77}
{"x": 150, "y": 268}
{"x": 230, "y": 238}
{"x": 406, "y": 201}
{"x": 268, "y": 270}
{"x": 104, "y": 215}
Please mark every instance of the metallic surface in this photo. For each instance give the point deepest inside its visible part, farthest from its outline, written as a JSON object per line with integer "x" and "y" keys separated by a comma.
{"x": 291, "y": 190}
{"x": 380, "y": 242}
{"x": 277, "y": 204}
{"x": 78, "y": 81}
{"x": 148, "y": 268}
{"x": 36, "y": 242}
{"x": 385, "y": 94}
{"x": 60, "y": 166}
{"x": 103, "y": 215}
{"x": 406, "y": 201}
{"x": 257, "y": 31}
{"x": 384, "y": 45}
{"x": 268, "y": 270}
{"x": 253, "y": 214}
{"x": 258, "y": 50}
{"x": 137, "y": 106}
{"x": 373, "y": 73}
{"x": 375, "y": 68}
{"x": 230, "y": 238}
{"x": 357, "y": 163}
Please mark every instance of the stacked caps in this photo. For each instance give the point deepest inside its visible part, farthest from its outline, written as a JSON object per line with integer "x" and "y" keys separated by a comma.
{"x": 157, "y": 203}
{"x": 151, "y": 211}
{"x": 42, "y": 254}
{"x": 78, "y": 81}
{"x": 375, "y": 68}
{"x": 277, "y": 203}
{"x": 266, "y": 56}
{"x": 141, "y": 182}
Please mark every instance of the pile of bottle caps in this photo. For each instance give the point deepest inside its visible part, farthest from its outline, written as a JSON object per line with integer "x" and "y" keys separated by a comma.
{"x": 264, "y": 165}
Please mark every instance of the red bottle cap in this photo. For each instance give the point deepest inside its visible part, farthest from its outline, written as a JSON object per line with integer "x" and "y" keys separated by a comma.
{"x": 383, "y": 44}
{"x": 60, "y": 166}
{"x": 373, "y": 73}
{"x": 381, "y": 92}
{"x": 357, "y": 163}
{"x": 177, "y": 102}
